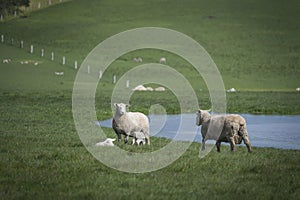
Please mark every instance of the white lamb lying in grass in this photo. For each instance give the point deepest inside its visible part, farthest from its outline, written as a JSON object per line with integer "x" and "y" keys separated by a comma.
{"x": 134, "y": 124}
{"x": 107, "y": 143}
{"x": 234, "y": 129}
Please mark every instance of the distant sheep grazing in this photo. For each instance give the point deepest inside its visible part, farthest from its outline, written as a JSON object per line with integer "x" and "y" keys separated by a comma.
{"x": 138, "y": 59}
{"x": 231, "y": 90}
{"x": 6, "y": 61}
{"x": 59, "y": 73}
{"x": 134, "y": 124}
{"x": 139, "y": 88}
{"x": 234, "y": 129}
{"x": 149, "y": 89}
{"x": 163, "y": 60}
{"x": 160, "y": 89}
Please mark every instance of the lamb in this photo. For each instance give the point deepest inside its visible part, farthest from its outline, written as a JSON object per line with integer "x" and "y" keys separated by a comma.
{"x": 107, "y": 143}
{"x": 234, "y": 129}
{"x": 163, "y": 60}
{"x": 134, "y": 124}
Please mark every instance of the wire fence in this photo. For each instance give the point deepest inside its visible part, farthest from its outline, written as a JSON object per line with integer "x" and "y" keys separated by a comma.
{"x": 51, "y": 55}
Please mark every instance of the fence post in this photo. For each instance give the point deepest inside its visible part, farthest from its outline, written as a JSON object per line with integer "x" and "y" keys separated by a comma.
{"x": 12, "y": 41}
{"x": 31, "y": 48}
{"x": 114, "y": 79}
{"x": 52, "y": 56}
{"x": 42, "y": 52}
{"x": 63, "y": 60}
{"x": 127, "y": 84}
{"x": 89, "y": 69}
{"x": 39, "y": 5}
{"x": 75, "y": 64}
{"x": 50, "y": 2}
{"x": 1, "y": 17}
{"x": 2, "y": 38}
{"x": 21, "y": 44}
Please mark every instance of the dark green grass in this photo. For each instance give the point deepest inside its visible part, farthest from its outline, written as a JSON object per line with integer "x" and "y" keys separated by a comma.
{"x": 43, "y": 158}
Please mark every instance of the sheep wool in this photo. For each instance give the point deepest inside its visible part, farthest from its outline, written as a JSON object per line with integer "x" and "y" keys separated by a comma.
{"x": 233, "y": 129}
{"x": 133, "y": 124}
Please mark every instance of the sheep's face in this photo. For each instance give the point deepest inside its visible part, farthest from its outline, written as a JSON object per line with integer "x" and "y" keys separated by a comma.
{"x": 121, "y": 108}
{"x": 198, "y": 118}
{"x": 202, "y": 116}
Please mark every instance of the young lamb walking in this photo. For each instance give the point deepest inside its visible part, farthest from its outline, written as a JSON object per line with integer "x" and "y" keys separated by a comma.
{"x": 134, "y": 124}
{"x": 234, "y": 129}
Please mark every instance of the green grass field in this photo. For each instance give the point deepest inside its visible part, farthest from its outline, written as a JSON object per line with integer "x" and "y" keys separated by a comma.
{"x": 255, "y": 45}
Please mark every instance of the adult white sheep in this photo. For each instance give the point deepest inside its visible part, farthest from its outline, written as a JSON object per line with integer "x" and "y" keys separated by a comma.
{"x": 234, "y": 129}
{"x": 134, "y": 124}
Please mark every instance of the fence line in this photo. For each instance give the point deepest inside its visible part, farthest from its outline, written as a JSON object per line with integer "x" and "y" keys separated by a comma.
{"x": 34, "y": 49}
{"x": 41, "y": 52}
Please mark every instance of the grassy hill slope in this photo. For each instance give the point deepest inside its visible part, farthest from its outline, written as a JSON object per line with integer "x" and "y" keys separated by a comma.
{"x": 255, "y": 46}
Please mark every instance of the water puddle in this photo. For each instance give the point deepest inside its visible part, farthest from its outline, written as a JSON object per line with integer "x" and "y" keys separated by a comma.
{"x": 278, "y": 131}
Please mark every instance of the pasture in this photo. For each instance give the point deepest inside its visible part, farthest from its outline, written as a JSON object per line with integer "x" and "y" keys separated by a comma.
{"x": 254, "y": 45}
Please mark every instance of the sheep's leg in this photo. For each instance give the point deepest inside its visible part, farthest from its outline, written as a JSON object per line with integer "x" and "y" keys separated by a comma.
{"x": 218, "y": 144}
{"x": 231, "y": 136}
{"x": 148, "y": 140}
{"x": 146, "y": 134}
{"x": 203, "y": 144}
{"x": 126, "y": 139}
{"x": 119, "y": 138}
{"x": 133, "y": 140}
{"x": 232, "y": 143}
{"x": 247, "y": 143}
